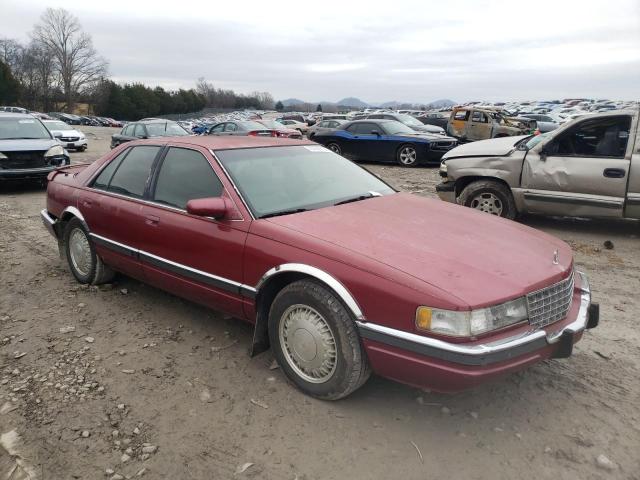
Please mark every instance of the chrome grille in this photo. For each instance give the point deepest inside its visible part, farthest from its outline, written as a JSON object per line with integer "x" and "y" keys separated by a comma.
{"x": 69, "y": 139}
{"x": 550, "y": 304}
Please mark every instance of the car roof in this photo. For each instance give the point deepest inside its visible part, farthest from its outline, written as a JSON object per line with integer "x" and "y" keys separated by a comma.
{"x": 230, "y": 142}
{"x": 16, "y": 115}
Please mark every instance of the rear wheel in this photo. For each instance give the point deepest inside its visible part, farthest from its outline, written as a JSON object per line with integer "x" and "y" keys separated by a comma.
{"x": 315, "y": 341}
{"x": 407, "y": 156}
{"x": 85, "y": 265}
{"x": 335, "y": 148}
{"x": 489, "y": 196}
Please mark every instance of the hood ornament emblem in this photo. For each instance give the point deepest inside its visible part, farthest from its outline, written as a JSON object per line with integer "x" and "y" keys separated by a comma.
{"x": 556, "y": 257}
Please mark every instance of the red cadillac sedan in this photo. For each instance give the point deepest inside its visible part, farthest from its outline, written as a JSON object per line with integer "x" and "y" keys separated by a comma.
{"x": 339, "y": 273}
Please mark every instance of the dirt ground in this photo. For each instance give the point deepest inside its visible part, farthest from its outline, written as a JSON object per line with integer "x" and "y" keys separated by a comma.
{"x": 128, "y": 381}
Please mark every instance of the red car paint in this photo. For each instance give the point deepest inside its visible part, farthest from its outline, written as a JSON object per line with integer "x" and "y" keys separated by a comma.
{"x": 391, "y": 253}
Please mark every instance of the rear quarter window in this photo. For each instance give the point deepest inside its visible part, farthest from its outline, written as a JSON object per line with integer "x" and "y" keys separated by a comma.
{"x": 131, "y": 176}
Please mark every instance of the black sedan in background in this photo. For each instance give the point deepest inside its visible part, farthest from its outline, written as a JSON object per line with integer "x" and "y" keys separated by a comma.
{"x": 386, "y": 141}
{"x": 27, "y": 149}
{"x": 147, "y": 129}
{"x": 242, "y": 128}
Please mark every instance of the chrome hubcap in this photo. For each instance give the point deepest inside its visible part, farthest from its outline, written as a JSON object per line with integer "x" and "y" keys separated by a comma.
{"x": 80, "y": 252}
{"x": 487, "y": 202}
{"x": 308, "y": 343}
{"x": 408, "y": 155}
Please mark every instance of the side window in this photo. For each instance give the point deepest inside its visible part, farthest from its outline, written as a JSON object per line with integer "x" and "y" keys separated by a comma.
{"x": 352, "y": 128}
{"x": 366, "y": 128}
{"x": 375, "y": 117}
{"x": 102, "y": 181}
{"x": 132, "y": 174}
{"x": 462, "y": 115}
{"x": 604, "y": 137}
{"x": 218, "y": 128}
{"x": 129, "y": 130}
{"x": 479, "y": 117}
{"x": 184, "y": 175}
{"x": 139, "y": 131}
{"x": 230, "y": 127}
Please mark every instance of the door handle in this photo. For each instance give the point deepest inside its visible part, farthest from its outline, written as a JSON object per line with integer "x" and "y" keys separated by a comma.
{"x": 152, "y": 220}
{"x": 614, "y": 173}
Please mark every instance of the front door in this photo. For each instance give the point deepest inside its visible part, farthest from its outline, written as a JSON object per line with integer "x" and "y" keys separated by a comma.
{"x": 583, "y": 170}
{"x": 196, "y": 257}
{"x": 479, "y": 127}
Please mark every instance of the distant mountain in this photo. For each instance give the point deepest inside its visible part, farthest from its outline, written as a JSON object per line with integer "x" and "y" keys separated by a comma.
{"x": 392, "y": 104}
{"x": 292, "y": 101}
{"x": 352, "y": 102}
{"x": 442, "y": 103}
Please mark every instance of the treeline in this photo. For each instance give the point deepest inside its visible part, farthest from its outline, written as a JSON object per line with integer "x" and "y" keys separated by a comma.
{"x": 59, "y": 68}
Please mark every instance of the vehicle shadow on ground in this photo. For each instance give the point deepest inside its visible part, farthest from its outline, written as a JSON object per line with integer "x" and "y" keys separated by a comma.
{"x": 22, "y": 186}
{"x": 596, "y": 226}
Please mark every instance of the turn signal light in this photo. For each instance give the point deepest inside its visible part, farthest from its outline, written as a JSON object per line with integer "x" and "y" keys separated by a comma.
{"x": 423, "y": 318}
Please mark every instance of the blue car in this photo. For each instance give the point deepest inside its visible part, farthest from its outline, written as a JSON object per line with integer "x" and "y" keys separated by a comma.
{"x": 386, "y": 141}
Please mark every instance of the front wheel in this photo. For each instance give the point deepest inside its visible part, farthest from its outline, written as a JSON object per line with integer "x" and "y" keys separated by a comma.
{"x": 489, "y": 196}
{"x": 315, "y": 341}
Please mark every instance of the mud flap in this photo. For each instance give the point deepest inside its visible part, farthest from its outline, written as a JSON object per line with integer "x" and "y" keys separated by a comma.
{"x": 565, "y": 345}
{"x": 594, "y": 316}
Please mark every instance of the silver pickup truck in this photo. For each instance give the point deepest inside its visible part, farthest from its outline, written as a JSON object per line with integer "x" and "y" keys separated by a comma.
{"x": 589, "y": 167}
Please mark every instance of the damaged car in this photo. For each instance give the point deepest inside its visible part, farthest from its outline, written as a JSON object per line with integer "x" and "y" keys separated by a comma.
{"x": 479, "y": 123}
{"x": 589, "y": 167}
{"x": 337, "y": 272}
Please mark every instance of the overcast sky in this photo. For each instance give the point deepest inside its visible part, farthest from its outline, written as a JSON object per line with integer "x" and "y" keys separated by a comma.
{"x": 403, "y": 50}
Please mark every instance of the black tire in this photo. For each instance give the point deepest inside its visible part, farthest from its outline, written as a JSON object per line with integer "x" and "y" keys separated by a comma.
{"x": 97, "y": 272}
{"x": 351, "y": 369}
{"x": 487, "y": 196}
{"x": 403, "y": 155}
{"x": 334, "y": 147}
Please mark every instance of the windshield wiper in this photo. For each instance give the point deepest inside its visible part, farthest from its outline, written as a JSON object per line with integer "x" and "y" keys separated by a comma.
{"x": 364, "y": 196}
{"x": 283, "y": 212}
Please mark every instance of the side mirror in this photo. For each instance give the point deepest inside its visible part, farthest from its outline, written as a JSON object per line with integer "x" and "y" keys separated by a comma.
{"x": 375, "y": 132}
{"x": 57, "y": 135}
{"x": 215, "y": 207}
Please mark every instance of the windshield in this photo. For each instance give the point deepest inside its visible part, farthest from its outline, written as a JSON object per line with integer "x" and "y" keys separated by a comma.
{"x": 57, "y": 126}
{"x": 409, "y": 120}
{"x": 19, "y": 128}
{"x": 168, "y": 129}
{"x": 249, "y": 125}
{"x": 279, "y": 179}
{"x": 272, "y": 124}
{"x": 535, "y": 140}
{"x": 396, "y": 128}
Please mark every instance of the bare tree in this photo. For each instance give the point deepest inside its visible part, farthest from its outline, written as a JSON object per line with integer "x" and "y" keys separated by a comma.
{"x": 77, "y": 63}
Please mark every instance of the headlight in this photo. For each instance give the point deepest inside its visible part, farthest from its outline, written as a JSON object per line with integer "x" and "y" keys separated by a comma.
{"x": 443, "y": 169}
{"x": 474, "y": 322}
{"x": 3, "y": 156}
{"x": 55, "y": 151}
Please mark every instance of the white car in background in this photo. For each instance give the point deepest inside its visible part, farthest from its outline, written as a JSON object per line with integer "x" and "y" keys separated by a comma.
{"x": 69, "y": 137}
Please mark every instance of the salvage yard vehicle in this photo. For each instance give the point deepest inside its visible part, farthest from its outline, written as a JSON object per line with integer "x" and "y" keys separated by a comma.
{"x": 281, "y": 130}
{"x": 587, "y": 168}
{"x": 303, "y": 128}
{"x": 147, "y": 129}
{"x": 27, "y": 149}
{"x": 385, "y": 141}
{"x": 480, "y": 123}
{"x": 339, "y": 274}
{"x": 411, "y": 122}
{"x": 242, "y": 128}
{"x": 67, "y": 135}
{"x": 324, "y": 126}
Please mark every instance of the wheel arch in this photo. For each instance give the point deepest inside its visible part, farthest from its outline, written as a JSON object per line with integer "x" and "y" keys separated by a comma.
{"x": 277, "y": 278}
{"x": 463, "y": 182}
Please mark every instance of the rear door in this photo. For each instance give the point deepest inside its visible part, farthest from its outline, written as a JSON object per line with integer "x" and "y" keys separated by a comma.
{"x": 112, "y": 207}
{"x": 583, "y": 170}
{"x": 199, "y": 258}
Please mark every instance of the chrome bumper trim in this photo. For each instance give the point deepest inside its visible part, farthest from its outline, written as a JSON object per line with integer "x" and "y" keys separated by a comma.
{"x": 481, "y": 354}
{"x": 48, "y": 222}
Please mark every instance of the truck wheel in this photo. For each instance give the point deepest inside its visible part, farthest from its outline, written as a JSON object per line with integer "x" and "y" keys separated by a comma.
{"x": 316, "y": 342}
{"x": 489, "y": 196}
{"x": 407, "y": 156}
{"x": 84, "y": 263}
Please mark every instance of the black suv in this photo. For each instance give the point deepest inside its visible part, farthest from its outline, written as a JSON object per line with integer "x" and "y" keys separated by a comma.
{"x": 27, "y": 148}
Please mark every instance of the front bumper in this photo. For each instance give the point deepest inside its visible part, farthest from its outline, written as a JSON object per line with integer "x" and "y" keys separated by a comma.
{"x": 75, "y": 145}
{"x": 443, "y": 366}
{"x": 447, "y": 191}
{"x": 26, "y": 173}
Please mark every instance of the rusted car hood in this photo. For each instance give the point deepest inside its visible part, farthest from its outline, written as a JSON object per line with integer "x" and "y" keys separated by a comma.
{"x": 485, "y": 148}
{"x": 479, "y": 258}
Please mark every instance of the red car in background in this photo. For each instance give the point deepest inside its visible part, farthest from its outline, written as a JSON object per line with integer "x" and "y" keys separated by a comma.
{"x": 339, "y": 274}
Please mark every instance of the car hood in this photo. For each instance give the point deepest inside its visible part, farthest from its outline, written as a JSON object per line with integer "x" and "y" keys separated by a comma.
{"x": 22, "y": 145}
{"x": 478, "y": 258}
{"x": 485, "y": 148}
{"x": 67, "y": 133}
{"x": 432, "y": 137}
{"x": 428, "y": 128}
